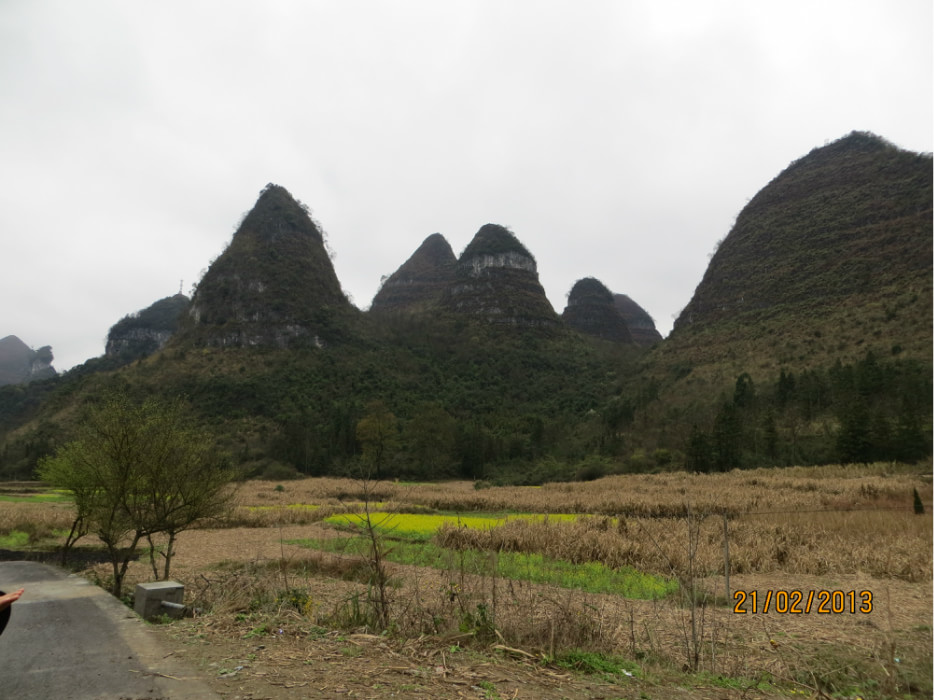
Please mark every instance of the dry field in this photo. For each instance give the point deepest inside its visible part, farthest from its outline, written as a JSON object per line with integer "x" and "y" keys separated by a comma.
{"x": 282, "y": 620}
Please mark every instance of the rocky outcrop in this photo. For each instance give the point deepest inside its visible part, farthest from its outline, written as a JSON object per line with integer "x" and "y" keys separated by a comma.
{"x": 420, "y": 283}
{"x": 591, "y": 311}
{"x": 273, "y": 286}
{"x": 19, "y": 363}
{"x": 497, "y": 280}
{"x": 640, "y": 324}
{"x": 147, "y": 331}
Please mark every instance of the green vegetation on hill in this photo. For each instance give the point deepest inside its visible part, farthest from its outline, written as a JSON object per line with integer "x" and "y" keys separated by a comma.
{"x": 274, "y": 285}
{"x": 160, "y": 316}
{"x": 828, "y": 262}
{"x": 853, "y": 217}
{"x": 421, "y": 281}
{"x": 867, "y": 411}
{"x": 145, "y": 332}
{"x": 478, "y": 401}
{"x": 493, "y": 239}
{"x": 808, "y": 341}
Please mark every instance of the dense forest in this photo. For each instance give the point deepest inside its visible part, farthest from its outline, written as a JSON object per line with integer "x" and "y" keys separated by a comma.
{"x": 501, "y": 408}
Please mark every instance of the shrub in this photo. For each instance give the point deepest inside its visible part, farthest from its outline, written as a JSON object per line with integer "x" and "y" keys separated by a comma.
{"x": 591, "y": 469}
{"x": 639, "y": 461}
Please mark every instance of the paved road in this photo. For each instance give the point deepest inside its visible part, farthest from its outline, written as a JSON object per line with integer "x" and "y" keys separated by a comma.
{"x": 70, "y": 640}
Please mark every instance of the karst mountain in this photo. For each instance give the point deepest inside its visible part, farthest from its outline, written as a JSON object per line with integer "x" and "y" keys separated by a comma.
{"x": 422, "y": 280}
{"x": 808, "y": 340}
{"x": 274, "y": 285}
{"x": 19, "y": 363}
{"x": 496, "y": 278}
{"x": 829, "y": 260}
{"x": 591, "y": 310}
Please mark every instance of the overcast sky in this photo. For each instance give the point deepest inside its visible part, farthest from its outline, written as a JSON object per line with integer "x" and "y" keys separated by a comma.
{"x": 616, "y": 139}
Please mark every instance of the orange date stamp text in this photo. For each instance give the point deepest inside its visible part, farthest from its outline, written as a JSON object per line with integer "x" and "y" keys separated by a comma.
{"x": 796, "y": 602}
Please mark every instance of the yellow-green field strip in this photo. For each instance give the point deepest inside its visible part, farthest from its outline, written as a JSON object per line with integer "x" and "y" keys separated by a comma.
{"x": 422, "y": 526}
{"x": 411, "y": 536}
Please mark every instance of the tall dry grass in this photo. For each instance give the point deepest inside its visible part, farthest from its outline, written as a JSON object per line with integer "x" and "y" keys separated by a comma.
{"x": 39, "y": 520}
{"x": 882, "y": 544}
{"x": 670, "y": 494}
{"x": 807, "y": 520}
{"x": 826, "y": 521}
{"x": 635, "y": 495}
{"x": 802, "y": 520}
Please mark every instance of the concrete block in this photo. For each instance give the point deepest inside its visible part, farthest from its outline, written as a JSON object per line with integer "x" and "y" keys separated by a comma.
{"x": 149, "y": 599}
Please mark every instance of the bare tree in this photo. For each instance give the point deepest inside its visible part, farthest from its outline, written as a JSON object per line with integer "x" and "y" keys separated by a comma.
{"x": 136, "y": 470}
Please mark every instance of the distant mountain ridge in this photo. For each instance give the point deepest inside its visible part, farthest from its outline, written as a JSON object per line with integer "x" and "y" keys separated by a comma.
{"x": 19, "y": 363}
{"x": 496, "y": 280}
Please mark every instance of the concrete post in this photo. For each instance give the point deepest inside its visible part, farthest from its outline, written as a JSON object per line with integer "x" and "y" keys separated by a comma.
{"x": 149, "y": 599}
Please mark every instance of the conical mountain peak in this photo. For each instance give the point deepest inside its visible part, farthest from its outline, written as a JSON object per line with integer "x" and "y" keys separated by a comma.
{"x": 420, "y": 282}
{"x": 849, "y": 218}
{"x": 274, "y": 285}
{"x": 493, "y": 240}
{"x": 497, "y": 280}
{"x": 591, "y": 310}
{"x": 277, "y": 213}
{"x": 640, "y": 323}
{"x": 437, "y": 248}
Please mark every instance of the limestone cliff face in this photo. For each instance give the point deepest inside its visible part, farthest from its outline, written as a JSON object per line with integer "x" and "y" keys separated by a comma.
{"x": 591, "y": 310}
{"x": 497, "y": 280}
{"x": 273, "y": 286}
{"x": 638, "y": 321}
{"x": 20, "y": 364}
{"x": 421, "y": 281}
{"x": 147, "y": 331}
{"x": 513, "y": 260}
{"x": 138, "y": 342}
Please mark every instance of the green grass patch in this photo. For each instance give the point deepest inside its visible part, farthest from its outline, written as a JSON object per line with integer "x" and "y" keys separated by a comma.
{"x": 16, "y": 539}
{"x": 606, "y": 666}
{"x": 44, "y": 497}
{"x": 739, "y": 683}
{"x": 592, "y": 577}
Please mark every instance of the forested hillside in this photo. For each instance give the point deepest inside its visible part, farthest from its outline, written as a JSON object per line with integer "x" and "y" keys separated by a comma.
{"x": 808, "y": 341}
{"x": 809, "y": 337}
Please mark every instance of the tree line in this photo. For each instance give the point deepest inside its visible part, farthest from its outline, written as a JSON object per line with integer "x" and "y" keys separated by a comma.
{"x": 865, "y": 411}
{"x": 513, "y": 409}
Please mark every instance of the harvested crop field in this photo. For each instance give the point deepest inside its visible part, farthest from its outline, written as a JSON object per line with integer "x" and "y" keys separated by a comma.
{"x": 615, "y": 588}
